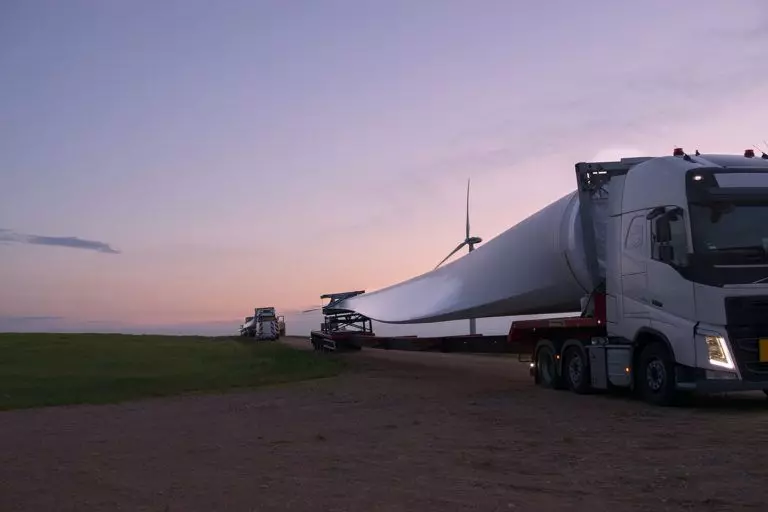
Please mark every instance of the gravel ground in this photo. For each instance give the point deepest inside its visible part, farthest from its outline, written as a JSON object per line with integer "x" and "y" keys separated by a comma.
{"x": 399, "y": 431}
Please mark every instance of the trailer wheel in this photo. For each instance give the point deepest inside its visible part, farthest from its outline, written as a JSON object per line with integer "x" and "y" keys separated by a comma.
{"x": 546, "y": 368}
{"x": 656, "y": 375}
{"x": 576, "y": 370}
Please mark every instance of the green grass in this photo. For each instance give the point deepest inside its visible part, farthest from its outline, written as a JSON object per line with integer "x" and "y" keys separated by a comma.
{"x": 57, "y": 369}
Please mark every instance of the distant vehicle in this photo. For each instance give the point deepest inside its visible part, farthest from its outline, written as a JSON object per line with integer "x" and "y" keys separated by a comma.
{"x": 263, "y": 325}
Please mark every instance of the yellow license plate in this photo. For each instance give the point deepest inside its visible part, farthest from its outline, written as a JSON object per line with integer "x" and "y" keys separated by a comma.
{"x": 763, "y": 344}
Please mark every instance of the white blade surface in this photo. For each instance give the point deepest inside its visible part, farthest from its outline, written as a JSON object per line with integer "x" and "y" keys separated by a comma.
{"x": 532, "y": 268}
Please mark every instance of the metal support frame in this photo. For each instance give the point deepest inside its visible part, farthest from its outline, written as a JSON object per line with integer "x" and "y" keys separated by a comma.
{"x": 354, "y": 322}
{"x": 343, "y": 320}
{"x": 591, "y": 177}
{"x": 335, "y": 299}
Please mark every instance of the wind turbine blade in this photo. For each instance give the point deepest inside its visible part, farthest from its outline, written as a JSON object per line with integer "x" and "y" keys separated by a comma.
{"x": 457, "y": 249}
{"x": 467, "y": 237}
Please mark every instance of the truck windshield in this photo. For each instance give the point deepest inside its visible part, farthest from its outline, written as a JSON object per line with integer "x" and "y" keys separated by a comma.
{"x": 730, "y": 233}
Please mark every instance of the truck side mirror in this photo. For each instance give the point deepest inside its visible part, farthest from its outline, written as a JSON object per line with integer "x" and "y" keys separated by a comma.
{"x": 655, "y": 213}
{"x": 666, "y": 253}
{"x": 663, "y": 230}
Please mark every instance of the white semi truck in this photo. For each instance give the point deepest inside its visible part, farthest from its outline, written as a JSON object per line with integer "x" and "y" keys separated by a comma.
{"x": 665, "y": 257}
{"x": 263, "y": 325}
{"x": 676, "y": 252}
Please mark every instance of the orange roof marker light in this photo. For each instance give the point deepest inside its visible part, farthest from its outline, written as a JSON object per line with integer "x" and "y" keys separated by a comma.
{"x": 678, "y": 152}
{"x": 749, "y": 153}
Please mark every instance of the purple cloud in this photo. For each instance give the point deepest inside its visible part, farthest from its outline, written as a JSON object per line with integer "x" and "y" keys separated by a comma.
{"x": 73, "y": 242}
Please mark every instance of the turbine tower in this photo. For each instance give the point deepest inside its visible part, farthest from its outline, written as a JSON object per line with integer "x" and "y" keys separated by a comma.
{"x": 469, "y": 241}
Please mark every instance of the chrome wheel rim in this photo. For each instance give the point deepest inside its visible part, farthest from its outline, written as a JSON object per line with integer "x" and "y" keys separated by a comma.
{"x": 575, "y": 369}
{"x": 655, "y": 375}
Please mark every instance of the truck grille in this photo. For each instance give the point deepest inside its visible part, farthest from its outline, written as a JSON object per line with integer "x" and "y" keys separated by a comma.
{"x": 747, "y": 322}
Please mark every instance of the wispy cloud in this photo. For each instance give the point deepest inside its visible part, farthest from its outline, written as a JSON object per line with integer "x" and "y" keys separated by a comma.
{"x": 73, "y": 242}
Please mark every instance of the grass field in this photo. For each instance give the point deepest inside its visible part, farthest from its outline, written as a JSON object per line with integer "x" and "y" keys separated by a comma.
{"x": 57, "y": 369}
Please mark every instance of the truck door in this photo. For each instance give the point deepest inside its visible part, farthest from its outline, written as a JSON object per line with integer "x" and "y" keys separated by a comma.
{"x": 670, "y": 295}
{"x": 634, "y": 272}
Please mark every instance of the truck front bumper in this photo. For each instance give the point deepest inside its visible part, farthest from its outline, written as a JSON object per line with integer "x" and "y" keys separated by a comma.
{"x": 712, "y": 381}
{"x": 721, "y": 386}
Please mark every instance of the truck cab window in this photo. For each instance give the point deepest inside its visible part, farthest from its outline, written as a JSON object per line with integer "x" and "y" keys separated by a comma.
{"x": 635, "y": 234}
{"x": 669, "y": 240}
{"x": 731, "y": 233}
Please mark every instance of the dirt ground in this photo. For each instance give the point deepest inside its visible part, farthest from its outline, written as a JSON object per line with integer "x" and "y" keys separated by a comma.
{"x": 399, "y": 431}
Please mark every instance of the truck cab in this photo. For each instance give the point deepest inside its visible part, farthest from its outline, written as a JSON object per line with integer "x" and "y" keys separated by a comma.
{"x": 687, "y": 271}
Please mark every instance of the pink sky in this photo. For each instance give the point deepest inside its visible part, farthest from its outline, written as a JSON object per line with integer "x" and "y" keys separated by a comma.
{"x": 250, "y": 153}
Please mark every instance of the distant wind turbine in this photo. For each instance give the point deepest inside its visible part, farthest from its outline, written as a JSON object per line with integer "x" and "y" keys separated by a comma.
{"x": 469, "y": 241}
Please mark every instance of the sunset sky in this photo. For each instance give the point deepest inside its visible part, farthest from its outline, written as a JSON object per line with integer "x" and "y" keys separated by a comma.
{"x": 172, "y": 162}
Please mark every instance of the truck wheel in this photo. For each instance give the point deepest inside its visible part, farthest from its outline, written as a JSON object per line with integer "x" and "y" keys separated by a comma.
{"x": 546, "y": 369}
{"x": 576, "y": 370}
{"x": 656, "y": 375}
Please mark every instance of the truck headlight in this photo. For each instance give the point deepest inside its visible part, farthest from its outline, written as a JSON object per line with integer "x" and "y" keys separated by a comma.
{"x": 717, "y": 350}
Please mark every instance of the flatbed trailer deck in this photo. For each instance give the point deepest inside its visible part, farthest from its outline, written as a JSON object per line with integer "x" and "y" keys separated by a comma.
{"x": 350, "y": 341}
{"x": 521, "y": 340}
{"x": 347, "y": 331}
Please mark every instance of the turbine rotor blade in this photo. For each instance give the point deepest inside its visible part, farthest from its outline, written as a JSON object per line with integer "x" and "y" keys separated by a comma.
{"x": 467, "y": 237}
{"x": 457, "y": 249}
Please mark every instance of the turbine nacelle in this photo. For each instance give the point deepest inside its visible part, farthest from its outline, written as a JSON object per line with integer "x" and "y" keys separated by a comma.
{"x": 473, "y": 241}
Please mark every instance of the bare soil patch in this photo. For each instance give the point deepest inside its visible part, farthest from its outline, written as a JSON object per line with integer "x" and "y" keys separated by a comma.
{"x": 397, "y": 431}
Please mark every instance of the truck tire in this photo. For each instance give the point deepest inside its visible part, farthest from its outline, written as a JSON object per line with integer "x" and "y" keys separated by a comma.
{"x": 656, "y": 375}
{"x": 576, "y": 370}
{"x": 546, "y": 369}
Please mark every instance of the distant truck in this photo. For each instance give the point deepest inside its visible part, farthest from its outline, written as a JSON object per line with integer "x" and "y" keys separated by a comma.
{"x": 263, "y": 325}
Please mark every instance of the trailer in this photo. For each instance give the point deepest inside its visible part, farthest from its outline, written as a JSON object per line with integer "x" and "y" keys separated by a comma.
{"x": 346, "y": 331}
{"x": 662, "y": 261}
